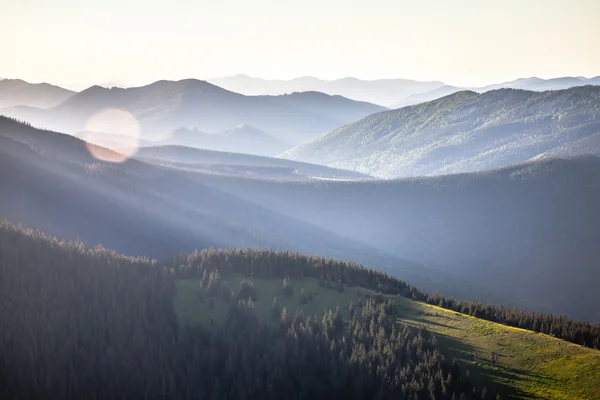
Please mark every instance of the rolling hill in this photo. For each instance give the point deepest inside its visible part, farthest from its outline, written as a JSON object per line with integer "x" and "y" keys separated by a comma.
{"x": 164, "y": 106}
{"x": 462, "y": 132}
{"x": 522, "y": 235}
{"x": 16, "y": 92}
{"x": 202, "y": 318}
{"x": 240, "y": 139}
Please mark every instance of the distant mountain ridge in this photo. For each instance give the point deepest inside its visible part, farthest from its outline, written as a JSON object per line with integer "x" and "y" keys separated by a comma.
{"x": 17, "y": 92}
{"x": 533, "y": 84}
{"x": 240, "y": 139}
{"x": 463, "y": 132}
{"x": 384, "y": 92}
{"x": 164, "y": 106}
{"x": 392, "y": 93}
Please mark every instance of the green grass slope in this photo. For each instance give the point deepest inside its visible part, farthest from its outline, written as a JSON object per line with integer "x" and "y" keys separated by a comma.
{"x": 528, "y": 365}
{"x": 191, "y": 309}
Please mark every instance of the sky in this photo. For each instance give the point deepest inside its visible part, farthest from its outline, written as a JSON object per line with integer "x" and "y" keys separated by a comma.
{"x": 459, "y": 42}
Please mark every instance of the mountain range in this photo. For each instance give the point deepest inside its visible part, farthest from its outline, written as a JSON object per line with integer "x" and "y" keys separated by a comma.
{"x": 165, "y": 106}
{"x": 534, "y": 84}
{"x": 385, "y": 92}
{"x": 463, "y": 132}
{"x": 523, "y": 235}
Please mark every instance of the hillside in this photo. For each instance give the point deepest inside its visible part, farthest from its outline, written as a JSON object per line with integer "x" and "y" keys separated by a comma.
{"x": 230, "y": 324}
{"x": 16, "y": 92}
{"x": 463, "y": 132}
{"x": 529, "y": 364}
{"x": 242, "y": 164}
{"x": 51, "y": 181}
{"x": 164, "y": 106}
{"x": 522, "y": 235}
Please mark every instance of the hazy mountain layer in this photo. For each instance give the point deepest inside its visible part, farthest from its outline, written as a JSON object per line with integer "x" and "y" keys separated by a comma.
{"x": 165, "y": 106}
{"x": 463, "y": 132}
{"x": 385, "y": 92}
{"x": 392, "y": 93}
{"x": 16, "y": 92}
{"x": 241, "y": 139}
{"x": 242, "y": 164}
{"x": 50, "y": 181}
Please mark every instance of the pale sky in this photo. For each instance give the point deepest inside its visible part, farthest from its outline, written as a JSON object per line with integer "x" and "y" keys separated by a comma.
{"x": 460, "y": 42}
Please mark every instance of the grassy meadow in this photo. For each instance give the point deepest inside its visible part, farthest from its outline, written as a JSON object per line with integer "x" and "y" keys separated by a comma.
{"x": 527, "y": 365}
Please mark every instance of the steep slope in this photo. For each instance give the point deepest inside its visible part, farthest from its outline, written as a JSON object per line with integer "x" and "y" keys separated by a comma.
{"x": 51, "y": 182}
{"x": 164, "y": 106}
{"x": 462, "y": 132}
{"x": 384, "y": 92}
{"x": 242, "y": 164}
{"x": 523, "y": 235}
{"x": 16, "y": 92}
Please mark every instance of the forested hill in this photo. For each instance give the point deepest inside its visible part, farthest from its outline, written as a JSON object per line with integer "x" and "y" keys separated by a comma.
{"x": 463, "y": 132}
{"x": 80, "y": 322}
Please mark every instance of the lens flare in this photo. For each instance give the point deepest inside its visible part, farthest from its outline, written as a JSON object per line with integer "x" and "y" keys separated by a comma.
{"x": 112, "y": 135}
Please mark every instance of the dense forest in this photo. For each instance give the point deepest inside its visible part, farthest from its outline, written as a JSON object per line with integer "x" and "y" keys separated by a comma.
{"x": 89, "y": 323}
